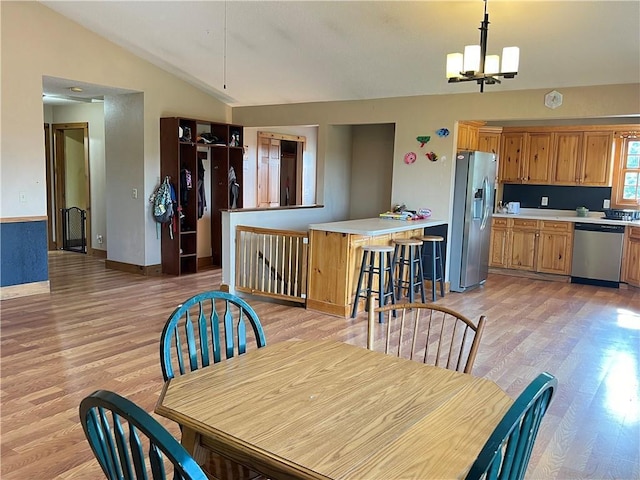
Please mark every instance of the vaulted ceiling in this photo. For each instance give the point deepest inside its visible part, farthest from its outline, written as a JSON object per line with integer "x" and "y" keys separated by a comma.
{"x": 273, "y": 52}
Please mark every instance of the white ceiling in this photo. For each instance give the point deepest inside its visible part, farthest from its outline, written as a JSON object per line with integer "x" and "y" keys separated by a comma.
{"x": 307, "y": 51}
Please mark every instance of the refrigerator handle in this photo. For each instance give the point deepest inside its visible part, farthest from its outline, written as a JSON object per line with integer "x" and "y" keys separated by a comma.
{"x": 485, "y": 202}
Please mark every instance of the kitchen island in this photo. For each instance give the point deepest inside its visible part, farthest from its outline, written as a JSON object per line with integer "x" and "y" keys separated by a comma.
{"x": 335, "y": 255}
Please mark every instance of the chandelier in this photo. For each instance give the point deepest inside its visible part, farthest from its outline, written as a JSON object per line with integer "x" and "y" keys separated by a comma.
{"x": 476, "y": 65}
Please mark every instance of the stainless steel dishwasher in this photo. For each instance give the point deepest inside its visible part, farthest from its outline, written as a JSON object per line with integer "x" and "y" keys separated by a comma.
{"x": 597, "y": 254}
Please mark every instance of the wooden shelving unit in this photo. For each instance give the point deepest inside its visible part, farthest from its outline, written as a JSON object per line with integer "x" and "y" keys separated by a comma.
{"x": 223, "y": 149}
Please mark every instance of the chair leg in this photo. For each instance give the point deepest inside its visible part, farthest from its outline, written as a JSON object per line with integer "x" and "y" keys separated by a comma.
{"x": 412, "y": 277}
{"x": 354, "y": 311}
{"x": 382, "y": 298}
{"x": 433, "y": 271}
{"x": 420, "y": 273}
{"x": 441, "y": 269}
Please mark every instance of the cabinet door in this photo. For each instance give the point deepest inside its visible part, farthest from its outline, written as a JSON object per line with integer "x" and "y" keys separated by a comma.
{"x": 631, "y": 266}
{"x": 511, "y": 156}
{"x": 538, "y": 164}
{"x": 463, "y": 136}
{"x": 567, "y": 150}
{"x": 554, "y": 253}
{"x": 489, "y": 142}
{"x": 499, "y": 243}
{"x": 596, "y": 159}
{"x": 522, "y": 253}
{"x": 472, "y": 139}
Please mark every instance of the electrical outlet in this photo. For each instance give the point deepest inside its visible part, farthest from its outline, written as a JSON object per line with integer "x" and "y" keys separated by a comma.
{"x": 545, "y": 201}
{"x": 606, "y": 203}
{"x": 134, "y": 193}
{"x": 23, "y": 197}
{"x": 99, "y": 238}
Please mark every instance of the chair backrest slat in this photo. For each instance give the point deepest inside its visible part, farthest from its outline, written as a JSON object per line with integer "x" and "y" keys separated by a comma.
{"x": 222, "y": 332}
{"x": 119, "y": 433}
{"x": 426, "y": 332}
{"x": 506, "y": 454}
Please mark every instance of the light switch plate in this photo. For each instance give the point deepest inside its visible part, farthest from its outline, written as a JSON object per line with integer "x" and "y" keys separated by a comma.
{"x": 606, "y": 203}
{"x": 545, "y": 201}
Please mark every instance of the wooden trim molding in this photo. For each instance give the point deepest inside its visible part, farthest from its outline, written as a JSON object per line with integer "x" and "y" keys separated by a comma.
{"x": 24, "y": 289}
{"x": 147, "y": 270}
{"x": 283, "y": 136}
{"x": 39, "y": 218}
{"x": 98, "y": 253}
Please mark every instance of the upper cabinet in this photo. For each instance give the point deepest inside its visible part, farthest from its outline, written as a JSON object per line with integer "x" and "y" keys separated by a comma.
{"x": 597, "y": 162}
{"x": 468, "y": 135}
{"x": 538, "y": 159}
{"x": 512, "y": 153}
{"x": 489, "y": 139}
{"x": 556, "y": 156}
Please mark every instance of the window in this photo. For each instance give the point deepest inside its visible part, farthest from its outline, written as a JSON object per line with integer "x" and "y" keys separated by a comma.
{"x": 626, "y": 187}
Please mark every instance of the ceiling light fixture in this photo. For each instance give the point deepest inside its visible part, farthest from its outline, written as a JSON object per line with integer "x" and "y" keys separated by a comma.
{"x": 75, "y": 89}
{"x": 476, "y": 65}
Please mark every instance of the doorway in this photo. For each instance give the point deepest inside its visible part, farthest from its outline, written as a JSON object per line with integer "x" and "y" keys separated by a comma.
{"x": 70, "y": 180}
{"x": 279, "y": 169}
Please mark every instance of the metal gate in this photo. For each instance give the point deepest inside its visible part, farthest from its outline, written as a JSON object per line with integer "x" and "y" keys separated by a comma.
{"x": 74, "y": 233}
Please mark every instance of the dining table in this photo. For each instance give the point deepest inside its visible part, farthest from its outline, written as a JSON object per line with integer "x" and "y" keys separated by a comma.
{"x": 332, "y": 410}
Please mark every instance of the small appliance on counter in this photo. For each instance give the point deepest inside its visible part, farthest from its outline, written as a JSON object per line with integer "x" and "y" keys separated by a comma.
{"x": 513, "y": 208}
{"x": 621, "y": 214}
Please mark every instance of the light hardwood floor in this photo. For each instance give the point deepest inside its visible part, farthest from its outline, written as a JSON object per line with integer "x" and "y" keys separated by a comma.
{"x": 100, "y": 328}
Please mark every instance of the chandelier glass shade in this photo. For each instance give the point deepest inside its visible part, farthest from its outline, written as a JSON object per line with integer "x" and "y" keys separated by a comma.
{"x": 476, "y": 65}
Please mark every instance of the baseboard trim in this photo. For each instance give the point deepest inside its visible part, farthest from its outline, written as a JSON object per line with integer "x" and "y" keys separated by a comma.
{"x": 204, "y": 262}
{"x": 24, "y": 289}
{"x": 533, "y": 275}
{"x": 147, "y": 270}
{"x": 98, "y": 253}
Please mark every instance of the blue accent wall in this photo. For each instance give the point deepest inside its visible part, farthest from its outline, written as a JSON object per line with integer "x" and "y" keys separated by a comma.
{"x": 560, "y": 197}
{"x": 23, "y": 253}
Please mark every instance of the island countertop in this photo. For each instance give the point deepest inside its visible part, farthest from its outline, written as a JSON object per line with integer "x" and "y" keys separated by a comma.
{"x": 375, "y": 226}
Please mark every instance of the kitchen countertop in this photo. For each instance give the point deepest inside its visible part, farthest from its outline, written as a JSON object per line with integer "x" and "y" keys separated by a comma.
{"x": 565, "y": 216}
{"x": 375, "y": 226}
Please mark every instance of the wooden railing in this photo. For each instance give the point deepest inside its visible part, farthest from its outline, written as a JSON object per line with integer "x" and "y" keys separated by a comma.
{"x": 272, "y": 263}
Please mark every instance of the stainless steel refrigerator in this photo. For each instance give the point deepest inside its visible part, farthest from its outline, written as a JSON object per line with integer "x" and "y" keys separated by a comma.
{"x": 473, "y": 197}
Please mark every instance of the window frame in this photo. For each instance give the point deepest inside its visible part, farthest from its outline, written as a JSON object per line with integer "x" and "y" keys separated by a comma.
{"x": 621, "y": 147}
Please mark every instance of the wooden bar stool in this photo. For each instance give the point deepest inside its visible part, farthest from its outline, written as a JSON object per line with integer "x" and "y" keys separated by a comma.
{"x": 435, "y": 242}
{"x": 383, "y": 267}
{"x": 408, "y": 252}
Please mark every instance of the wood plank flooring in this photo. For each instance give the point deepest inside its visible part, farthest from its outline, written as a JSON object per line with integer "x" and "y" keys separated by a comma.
{"x": 99, "y": 328}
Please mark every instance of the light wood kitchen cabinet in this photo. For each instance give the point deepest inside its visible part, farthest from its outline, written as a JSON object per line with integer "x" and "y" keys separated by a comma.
{"x": 489, "y": 139}
{"x": 511, "y": 157}
{"x": 499, "y": 251}
{"x": 582, "y": 158}
{"x": 631, "y": 260}
{"x": 533, "y": 245}
{"x": 537, "y": 165}
{"x": 567, "y": 151}
{"x": 555, "y": 246}
{"x": 597, "y": 162}
{"x": 522, "y": 251}
{"x": 468, "y": 135}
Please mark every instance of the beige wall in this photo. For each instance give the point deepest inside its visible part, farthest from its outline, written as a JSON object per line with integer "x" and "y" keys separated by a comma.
{"x": 36, "y": 41}
{"x": 429, "y": 184}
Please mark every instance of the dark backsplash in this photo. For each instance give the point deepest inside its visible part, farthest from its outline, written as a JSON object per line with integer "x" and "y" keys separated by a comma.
{"x": 560, "y": 197}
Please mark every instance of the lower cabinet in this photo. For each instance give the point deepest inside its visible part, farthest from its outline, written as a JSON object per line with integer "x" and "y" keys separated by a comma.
{"x": 532, "y": 245}
{"x": 631, "y": 260}
{"x": 555, "y": 247}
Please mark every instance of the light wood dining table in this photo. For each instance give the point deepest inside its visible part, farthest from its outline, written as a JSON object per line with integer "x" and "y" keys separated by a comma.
{"x": 330, "y": 410}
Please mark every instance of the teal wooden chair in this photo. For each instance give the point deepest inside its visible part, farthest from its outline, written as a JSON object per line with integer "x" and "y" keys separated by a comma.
{"x": 507, "y": 452}
{"x": 130, "y": 444}
{"x": 207, "y": 328}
